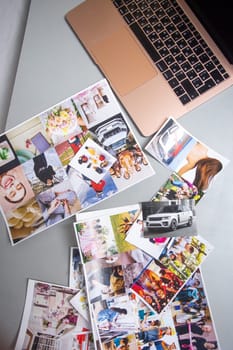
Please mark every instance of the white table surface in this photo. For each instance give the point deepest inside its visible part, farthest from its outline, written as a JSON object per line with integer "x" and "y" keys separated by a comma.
{"x": 52, "y": 66}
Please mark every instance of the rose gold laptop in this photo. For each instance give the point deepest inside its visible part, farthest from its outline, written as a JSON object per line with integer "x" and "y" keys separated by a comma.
{"x": 157, "y": 57}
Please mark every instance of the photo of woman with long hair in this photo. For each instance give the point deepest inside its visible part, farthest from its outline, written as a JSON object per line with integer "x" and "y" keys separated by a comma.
{"x": 205, "y": 167}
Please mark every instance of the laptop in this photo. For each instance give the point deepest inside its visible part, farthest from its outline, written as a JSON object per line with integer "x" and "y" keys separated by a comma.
{"x": 161, "y": 57}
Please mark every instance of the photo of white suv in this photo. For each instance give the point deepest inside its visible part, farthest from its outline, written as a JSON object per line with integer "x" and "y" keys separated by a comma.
{"x": 166, "y": 217}
{"x": 170, "y": 217}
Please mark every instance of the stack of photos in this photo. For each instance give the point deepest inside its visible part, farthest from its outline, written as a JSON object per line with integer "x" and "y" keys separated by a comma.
{"x": 194, "y": 167}
{"x": 66, "y": 159}
{"x": 50, "y": 321}
{"x": 122, "y": 278}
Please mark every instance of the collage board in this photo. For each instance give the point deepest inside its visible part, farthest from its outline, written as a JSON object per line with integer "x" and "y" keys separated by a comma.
{"x": 66, "y": 159}
{"x": 135, "y": 276}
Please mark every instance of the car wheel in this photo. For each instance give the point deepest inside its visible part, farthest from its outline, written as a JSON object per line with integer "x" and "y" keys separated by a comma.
{"x": 173, "y": 225}
{"x": 190, "y": 221}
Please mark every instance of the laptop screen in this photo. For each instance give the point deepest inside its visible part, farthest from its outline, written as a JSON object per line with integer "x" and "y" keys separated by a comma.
{"x": 217, "y": 18}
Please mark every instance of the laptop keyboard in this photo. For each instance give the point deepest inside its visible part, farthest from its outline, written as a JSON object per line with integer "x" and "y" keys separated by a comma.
{"x": 174, "y": 45}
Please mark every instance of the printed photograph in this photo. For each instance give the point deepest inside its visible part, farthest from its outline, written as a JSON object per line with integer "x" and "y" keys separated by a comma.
{"x": 80, "y": 303}
{"x": 76, "y": 275}
{"x": 183, "y": 255}
{"x": 92, "y": 161}
{"x": 88, "y": 191}
{"x": 192, "y": 316}
{"x": 115, "y": 136}
{"x": 169, "y": 218}
{"x": 8, "y": 158}
{"x": 176, "y": 188}
{"x": 66, "y": 150}
{"x": 49, "y": 319}
{"x": 24, "y": 221}
{"x": 115, "y": 315}
{"x": 157, "y": 286}
{"x": 62, "y": 121}
{"x": 29, "y": 139}
{"x": 96, "y": 238}
{"x": 57, "y": 146}
{"x": 102, "y": 235}
{"x": 58, "y": 203}
{"x": 44, "y": 171}
{"x": 15, "y": 189}
{"x": 182, "y": 153}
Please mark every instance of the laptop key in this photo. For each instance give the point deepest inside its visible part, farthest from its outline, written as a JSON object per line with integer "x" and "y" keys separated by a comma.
{"x": 168, "y": 74}
{"x": 216, "y": 76}
{"x": 208, "y": 85}
{"x": 197, "y": 82}
{"x": 190, "y": 90}
{"x": 184, "y": 99}
{"x": 179, "y": 91}
{"x": 173, "y": 82}
{"x": 128, "y": 18}
{"x": 162, "y": 66}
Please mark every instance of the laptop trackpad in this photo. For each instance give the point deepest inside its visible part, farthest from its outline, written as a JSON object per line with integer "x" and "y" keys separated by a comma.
{"x": 123, "y": 61}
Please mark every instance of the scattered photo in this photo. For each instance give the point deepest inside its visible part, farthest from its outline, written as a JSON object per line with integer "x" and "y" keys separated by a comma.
{"x": 182, "y": 153}
{"x": 65, "y": 160}
{"x": 157, "y": 286}
{"x": 152, "y": 246}
{"x": 103, "y": 235}
{"x": 132, "y": 285}
{"x": 176, "y": 188}
{"x": 92, "y": 161}
{"x": 76, "y": 275}
{"x": 183, "y": 255}
{"x": 169, "y": 218}
{"x": 79, "y": 302}
{"x": 49, "y": 319}
{"x": 116, "y": 137}
{"x": 192, "y": 316}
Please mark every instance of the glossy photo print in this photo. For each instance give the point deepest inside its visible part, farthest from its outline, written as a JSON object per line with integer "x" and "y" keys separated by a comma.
{"x": 192, "y": 316}
{"x": 169, "y": 218}
{"x": 177, "y": 188}
{"x": 182, "y": 153}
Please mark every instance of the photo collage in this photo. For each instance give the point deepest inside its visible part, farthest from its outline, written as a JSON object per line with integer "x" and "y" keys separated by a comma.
{"x": 66, "y": 159}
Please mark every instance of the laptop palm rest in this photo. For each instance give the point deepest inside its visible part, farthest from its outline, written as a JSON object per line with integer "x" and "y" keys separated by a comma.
{"x": 122, "y": 61}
